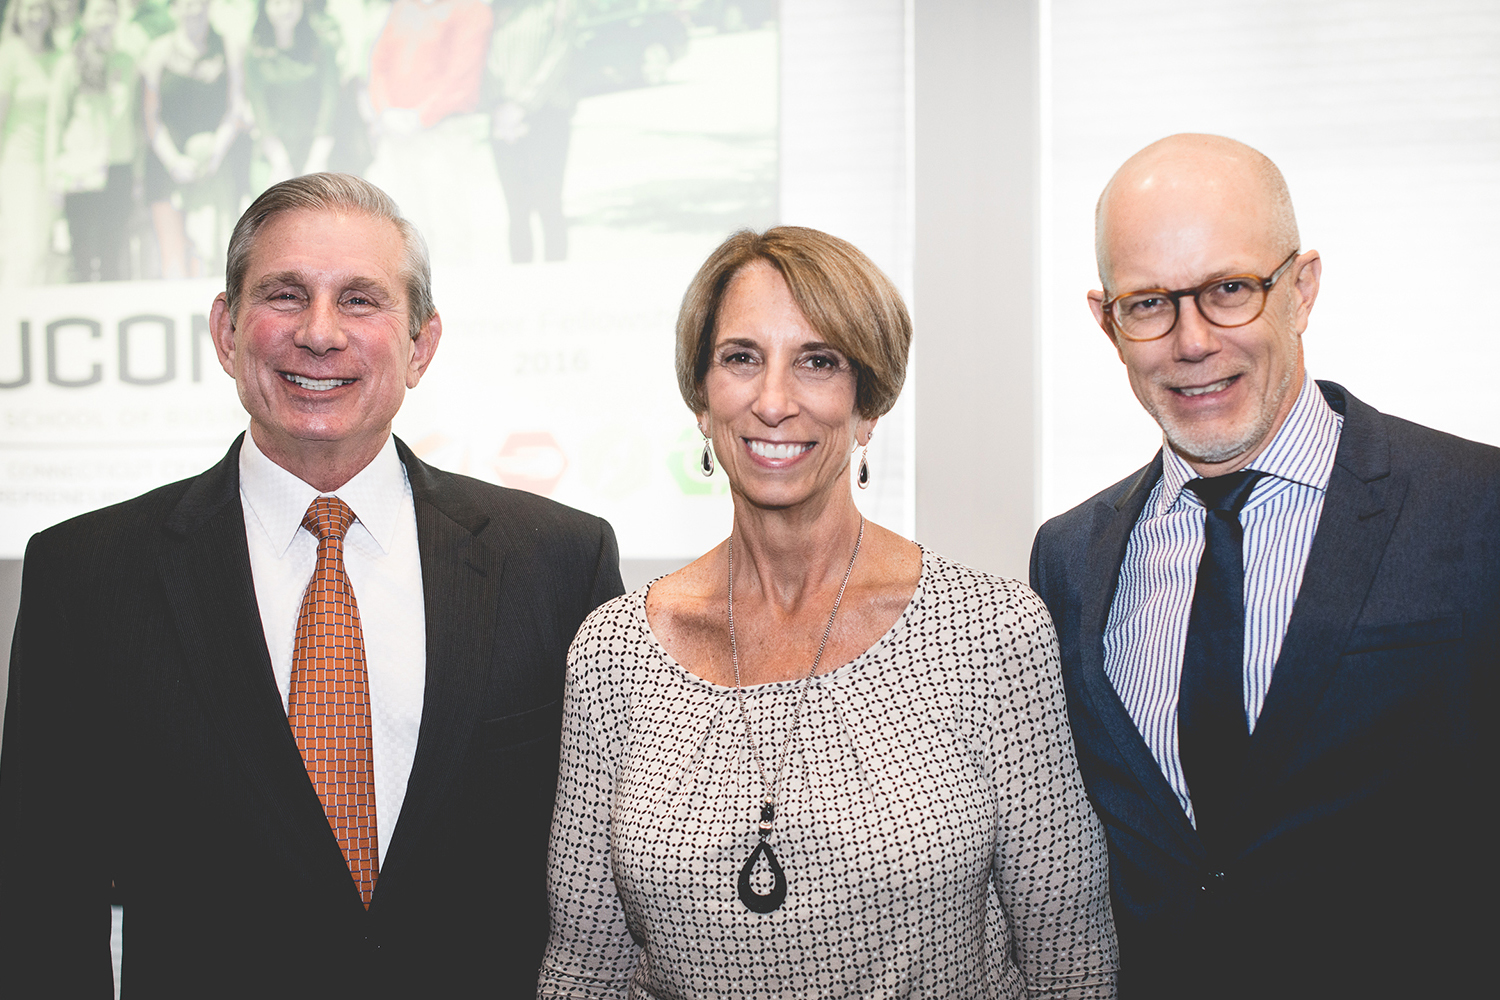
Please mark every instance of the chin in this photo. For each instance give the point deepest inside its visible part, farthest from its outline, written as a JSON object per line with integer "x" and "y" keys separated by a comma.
{"x": 1212, "y": 446}
{"x": 781, "y": 496}
{"x": 1216, "y": 442}
{"x": 773, "y": 499}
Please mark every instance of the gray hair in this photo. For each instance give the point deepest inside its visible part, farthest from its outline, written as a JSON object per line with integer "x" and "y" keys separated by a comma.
{"x": 332, "y": 193}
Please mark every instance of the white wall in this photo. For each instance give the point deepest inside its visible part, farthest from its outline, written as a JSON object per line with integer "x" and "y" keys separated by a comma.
{"x": 976, "y": 279}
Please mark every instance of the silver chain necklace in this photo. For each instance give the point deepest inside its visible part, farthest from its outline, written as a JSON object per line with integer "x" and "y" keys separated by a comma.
{"x": 768, "y": 901}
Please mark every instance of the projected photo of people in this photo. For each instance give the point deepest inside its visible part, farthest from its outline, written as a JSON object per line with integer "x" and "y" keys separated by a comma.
{"x": 133, "y": 132}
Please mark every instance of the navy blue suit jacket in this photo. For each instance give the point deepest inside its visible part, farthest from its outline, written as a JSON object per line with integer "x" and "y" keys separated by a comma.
{"x": 1358, "y": 868}
{"x": 146, "y": 745}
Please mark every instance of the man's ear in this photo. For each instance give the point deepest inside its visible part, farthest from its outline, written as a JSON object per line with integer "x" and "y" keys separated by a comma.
{"x": 424, "y": 346}
{"x": 221, "y": 331}
{"x": 1096, "y": 306}
{"x": 1308, "y": 273}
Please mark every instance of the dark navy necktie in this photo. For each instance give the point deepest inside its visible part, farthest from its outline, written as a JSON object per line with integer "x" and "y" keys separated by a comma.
{"x": 1211, "y": 729}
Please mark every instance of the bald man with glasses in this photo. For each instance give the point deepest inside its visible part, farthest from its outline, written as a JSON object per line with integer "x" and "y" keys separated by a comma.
{"x": 1275, "y": 636}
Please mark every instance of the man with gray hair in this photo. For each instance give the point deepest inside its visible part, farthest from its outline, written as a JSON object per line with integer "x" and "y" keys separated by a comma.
{"x": 1274, "y": 636}
{"x": 302, "y": 711}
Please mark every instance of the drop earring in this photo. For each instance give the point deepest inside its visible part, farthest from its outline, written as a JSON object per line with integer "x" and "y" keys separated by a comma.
{"x": 706, "y": 463}
{"x": 864, "y": 468}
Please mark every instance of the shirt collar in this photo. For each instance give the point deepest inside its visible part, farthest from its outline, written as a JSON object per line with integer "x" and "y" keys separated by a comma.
{"x": 1302, "y": 451}
{"x": 279, "y": 500}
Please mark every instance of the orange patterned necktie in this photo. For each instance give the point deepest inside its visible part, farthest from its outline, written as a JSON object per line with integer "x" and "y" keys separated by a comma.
{"x": 329, "y": 703}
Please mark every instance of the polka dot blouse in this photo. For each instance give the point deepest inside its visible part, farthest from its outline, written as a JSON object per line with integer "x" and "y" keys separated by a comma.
{"x": 932, "y": 824}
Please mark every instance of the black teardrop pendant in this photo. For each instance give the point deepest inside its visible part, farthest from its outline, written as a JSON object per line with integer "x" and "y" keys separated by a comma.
{"x": 772, "y": 900}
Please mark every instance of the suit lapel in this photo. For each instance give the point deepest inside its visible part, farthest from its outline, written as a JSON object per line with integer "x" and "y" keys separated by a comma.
{"x": 461, "y": 577}
{"x": 1110, "y": 535}
{"x": 1360, "y": 509}
{"x": 204, "y": 564}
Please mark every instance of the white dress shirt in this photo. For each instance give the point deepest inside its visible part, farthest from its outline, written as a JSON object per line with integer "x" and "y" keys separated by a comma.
{"x": 1146, "y": 633}
{"x": 385, "y": 572}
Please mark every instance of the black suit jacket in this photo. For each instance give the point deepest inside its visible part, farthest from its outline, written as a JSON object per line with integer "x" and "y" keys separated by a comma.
{"x": 146, "y": 744}
{"x": 1358, "y": 868}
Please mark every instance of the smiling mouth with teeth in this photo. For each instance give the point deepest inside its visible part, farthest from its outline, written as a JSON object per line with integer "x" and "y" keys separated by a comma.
{"x": 1201, "y": 390}
{"x": 767, "y": 449}
{"x": 316, "y": 384}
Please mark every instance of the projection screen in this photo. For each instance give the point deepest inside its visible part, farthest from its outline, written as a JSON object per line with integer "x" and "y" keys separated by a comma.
{"x": 570, "y": 163}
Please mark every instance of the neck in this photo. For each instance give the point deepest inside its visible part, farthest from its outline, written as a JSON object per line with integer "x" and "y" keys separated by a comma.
{"x": 780, "y": 555}
{"x": 285, "y": 36}
{"x": 323, "y": 465}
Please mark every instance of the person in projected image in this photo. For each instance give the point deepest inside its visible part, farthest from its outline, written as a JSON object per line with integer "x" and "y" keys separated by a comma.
{"x": 528, "y": 82}
{"x": 1276, "y": 635}
{"x": 820, "y": 760}
{"x": 292, "y": 85}
{"x": 198, "y": 160}
{"x": 27, "y": 58}
{"x": 427, "y": 65}
{"x": 92, "y": 145}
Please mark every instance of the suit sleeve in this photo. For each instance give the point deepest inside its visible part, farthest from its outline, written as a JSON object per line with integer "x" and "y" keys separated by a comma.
{"x": 54, "y": 848}
{"x": 607, "y": 584}
{"x": 590, "y": 951}
{"x": 1038, "y": 574}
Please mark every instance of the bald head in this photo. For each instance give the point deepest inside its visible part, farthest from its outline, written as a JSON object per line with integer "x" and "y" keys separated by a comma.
{"x": 1173, "y": 179}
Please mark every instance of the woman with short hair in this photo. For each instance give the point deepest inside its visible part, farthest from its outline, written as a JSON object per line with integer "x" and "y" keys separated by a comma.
{"x": 819, "y": 761}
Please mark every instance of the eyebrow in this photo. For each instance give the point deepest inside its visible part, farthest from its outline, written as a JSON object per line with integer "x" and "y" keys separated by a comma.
{"x": 1226, "y": 272}
{"x": 270, "y": 281}
{"x": 811, "y": 345}
{"x": 278, "y": 279}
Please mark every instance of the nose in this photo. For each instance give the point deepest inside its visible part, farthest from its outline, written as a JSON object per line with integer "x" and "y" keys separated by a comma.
{"x": 1194, "y": 338}
{"x": 775, "y": 401}
{"x": 321, "y": 330}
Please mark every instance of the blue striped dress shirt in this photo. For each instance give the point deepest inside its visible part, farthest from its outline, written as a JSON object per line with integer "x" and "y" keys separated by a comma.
{"x": 1148, "y": 621}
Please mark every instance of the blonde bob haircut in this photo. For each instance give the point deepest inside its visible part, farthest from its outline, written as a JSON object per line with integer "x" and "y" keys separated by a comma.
{"x": 845, "y": 297}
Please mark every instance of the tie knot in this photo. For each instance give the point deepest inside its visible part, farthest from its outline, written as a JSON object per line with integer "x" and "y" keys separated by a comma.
{"x": 328, "y": 517}
{"x": 1226, "y": 493}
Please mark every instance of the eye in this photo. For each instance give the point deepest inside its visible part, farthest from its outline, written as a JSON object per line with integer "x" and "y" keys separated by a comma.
{"x": 822, "y": 362}
{"x": 1232, "y": 291}
{"x": 735, "y": 357}
{"x": 285, "y": 298}
{"x": 1144, "y": 305}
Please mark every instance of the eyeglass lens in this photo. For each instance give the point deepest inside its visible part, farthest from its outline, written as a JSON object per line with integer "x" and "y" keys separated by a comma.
{"x": 1232, "y": 302}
